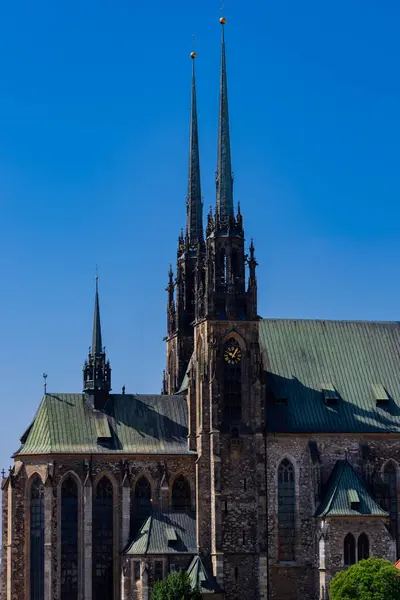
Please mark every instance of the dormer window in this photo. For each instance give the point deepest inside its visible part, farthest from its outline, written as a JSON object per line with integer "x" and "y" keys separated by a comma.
{"x": 331, "y": 395}
{"x": 380, "y": 395}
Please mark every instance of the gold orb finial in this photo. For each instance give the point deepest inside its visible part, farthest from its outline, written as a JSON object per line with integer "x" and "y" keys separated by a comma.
{"x": 193, "y": 55}
{"x": 222, "y": 20}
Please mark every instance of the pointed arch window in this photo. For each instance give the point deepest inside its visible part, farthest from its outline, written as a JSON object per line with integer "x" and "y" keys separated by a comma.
{"x": 286, "y": 511}
{"x": 141, "y": 505}
{"x": 103, "y": 543}
{"x": 362, "y": 547}
{"x": 69, "y": 540}
{"x": 349, "y": 549}
{"x": 37, "y": 540}
{"x": 232, "y": 380}
{"x": 390, "y": 501}
{"x": 181, "y": 500}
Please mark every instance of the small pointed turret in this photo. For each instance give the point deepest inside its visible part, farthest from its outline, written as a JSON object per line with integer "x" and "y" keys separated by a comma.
{"x": 97, "y": 370}
{"x": 194, "y": 223}
{"x": 224, "y": 178}
{"x": 97, "y": 345}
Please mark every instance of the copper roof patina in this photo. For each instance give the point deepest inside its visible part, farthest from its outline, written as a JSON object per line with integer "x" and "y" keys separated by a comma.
{"x": 346, "y": 495}
{"x": 301, "y": 357}
{"x": 67, "y": 423}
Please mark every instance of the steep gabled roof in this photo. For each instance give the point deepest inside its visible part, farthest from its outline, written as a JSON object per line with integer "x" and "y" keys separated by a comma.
{"x": 165, "y": 532}
{"x": 67, "y": 423}
{"x": 346, "y": 495}
{"x": 202, "y": 578}
{"x": 347, "y": 359}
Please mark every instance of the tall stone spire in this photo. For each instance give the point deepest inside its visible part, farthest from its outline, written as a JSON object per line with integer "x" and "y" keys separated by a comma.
{"x": 224, "y": 178}
{"x": 97, "y": 369}
{"x": 194, "y": 202}
{"x": 97, "y": 345}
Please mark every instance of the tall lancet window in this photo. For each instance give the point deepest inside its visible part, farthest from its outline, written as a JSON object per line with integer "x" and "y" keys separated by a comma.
{"x": 69, "y": 540}
{"x": 141, "y": 505}
{"x": 390, "y": 481}
{"x": 286, "y": 511}
{"x": 37, "y": 540}
{"x": 103, "y": 546}
{"x": 181, "y": 497}
{"x": 232, "y": 376}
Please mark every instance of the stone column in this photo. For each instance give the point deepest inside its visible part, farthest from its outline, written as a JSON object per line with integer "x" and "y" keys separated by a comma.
{"x": 126, "y": 513}
{"x": 263, "y": 574}
{"x": 48, "y": 511}
{"x": 125, "y": 580}
{"x": 87, "y": 539}
{"x": 10, "y": 515}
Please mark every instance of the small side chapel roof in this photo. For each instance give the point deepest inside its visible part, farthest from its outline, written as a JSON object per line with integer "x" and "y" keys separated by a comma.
{"x": 137, "y": 424}
{"x": 346, "y": 495}
{"x": 154, "y": 536}
{"x": 202, "y": 578}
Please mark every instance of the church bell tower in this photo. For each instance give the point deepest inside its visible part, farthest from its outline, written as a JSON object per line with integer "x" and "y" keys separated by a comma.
{"x": 226, "y": 391}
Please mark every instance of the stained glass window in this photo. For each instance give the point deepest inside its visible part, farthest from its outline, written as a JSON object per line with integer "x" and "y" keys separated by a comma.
{"x": 103, "y": 546}
{"x": 286, "y": 511}
{"x": 349, "y": 549}
{"x": 37, "y": 540}
{"x": 181, "y": 500}
{"x": 363, "y": 547}
{"x": 69, "y": 540}
{"x": 141, "y": 505}
{"x": 232, "y": 386}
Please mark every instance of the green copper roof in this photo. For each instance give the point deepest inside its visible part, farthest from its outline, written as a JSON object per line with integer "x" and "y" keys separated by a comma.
{"x": 165, "y": 532}
{"x": 67, "y": 423}
{"x": 354, "y": 359}
{"x": 346, "y": 495}
{"x": 202, "y": 578}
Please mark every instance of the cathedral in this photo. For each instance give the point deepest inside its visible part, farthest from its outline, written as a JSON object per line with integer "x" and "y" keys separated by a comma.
{"x": 268, "y": 462}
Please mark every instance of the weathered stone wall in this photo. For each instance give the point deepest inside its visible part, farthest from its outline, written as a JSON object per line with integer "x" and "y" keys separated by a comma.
{"x": 52, "y": 473}
{"x": 368, "y": 455}
{"x": 381, "y": 543}
{"x": 4, "y": 534}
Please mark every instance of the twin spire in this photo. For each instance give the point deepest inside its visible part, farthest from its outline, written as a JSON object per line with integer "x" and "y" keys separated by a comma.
{"x": 224, "y": 178}
{"x": 195, "y": 203}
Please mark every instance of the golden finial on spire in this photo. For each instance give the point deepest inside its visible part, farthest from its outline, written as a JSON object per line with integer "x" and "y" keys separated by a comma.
{"x": 193, "y": 53}
{"x": 222, "y": 19}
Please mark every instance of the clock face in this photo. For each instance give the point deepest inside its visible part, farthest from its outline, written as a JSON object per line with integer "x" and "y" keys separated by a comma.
{"x": 233, "y": 354}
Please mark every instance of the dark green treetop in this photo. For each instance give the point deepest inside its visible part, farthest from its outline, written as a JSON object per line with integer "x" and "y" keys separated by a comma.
{"x": 372, "y": 579}
{"x": 176, "y": 586}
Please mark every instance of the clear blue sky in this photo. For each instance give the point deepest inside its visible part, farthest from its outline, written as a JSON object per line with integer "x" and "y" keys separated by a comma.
{"x": 94, "y": 105}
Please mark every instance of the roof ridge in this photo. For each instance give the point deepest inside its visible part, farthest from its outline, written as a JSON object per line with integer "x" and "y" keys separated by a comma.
{"x": 310, "y": 320}
{"x": 339, "y": 477}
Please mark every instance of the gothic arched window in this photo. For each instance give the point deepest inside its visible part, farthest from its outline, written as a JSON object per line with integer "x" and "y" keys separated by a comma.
{"x": 232, "y": 357}
{"x": 37, "y": 540}
{"x": 103, "y": 542}
{"x": 181, "y": 500}
{"x": 349, "y": 549}
{"x": 69, "y": 540}
{"x": 390, "y": 502}
{"x": 362, "y": 547}
{"x": 286, "y": 511}
{"x": 141, "y": 504}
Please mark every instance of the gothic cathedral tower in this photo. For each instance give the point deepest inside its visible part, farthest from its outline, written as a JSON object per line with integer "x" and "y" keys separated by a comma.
{"x": 217, "y": 311}
{"x": 181, "y": 292}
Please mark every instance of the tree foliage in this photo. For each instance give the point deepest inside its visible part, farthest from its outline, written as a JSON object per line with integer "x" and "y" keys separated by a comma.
{"x": 175, "y": 587}
{"x": 372, "y": 579}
